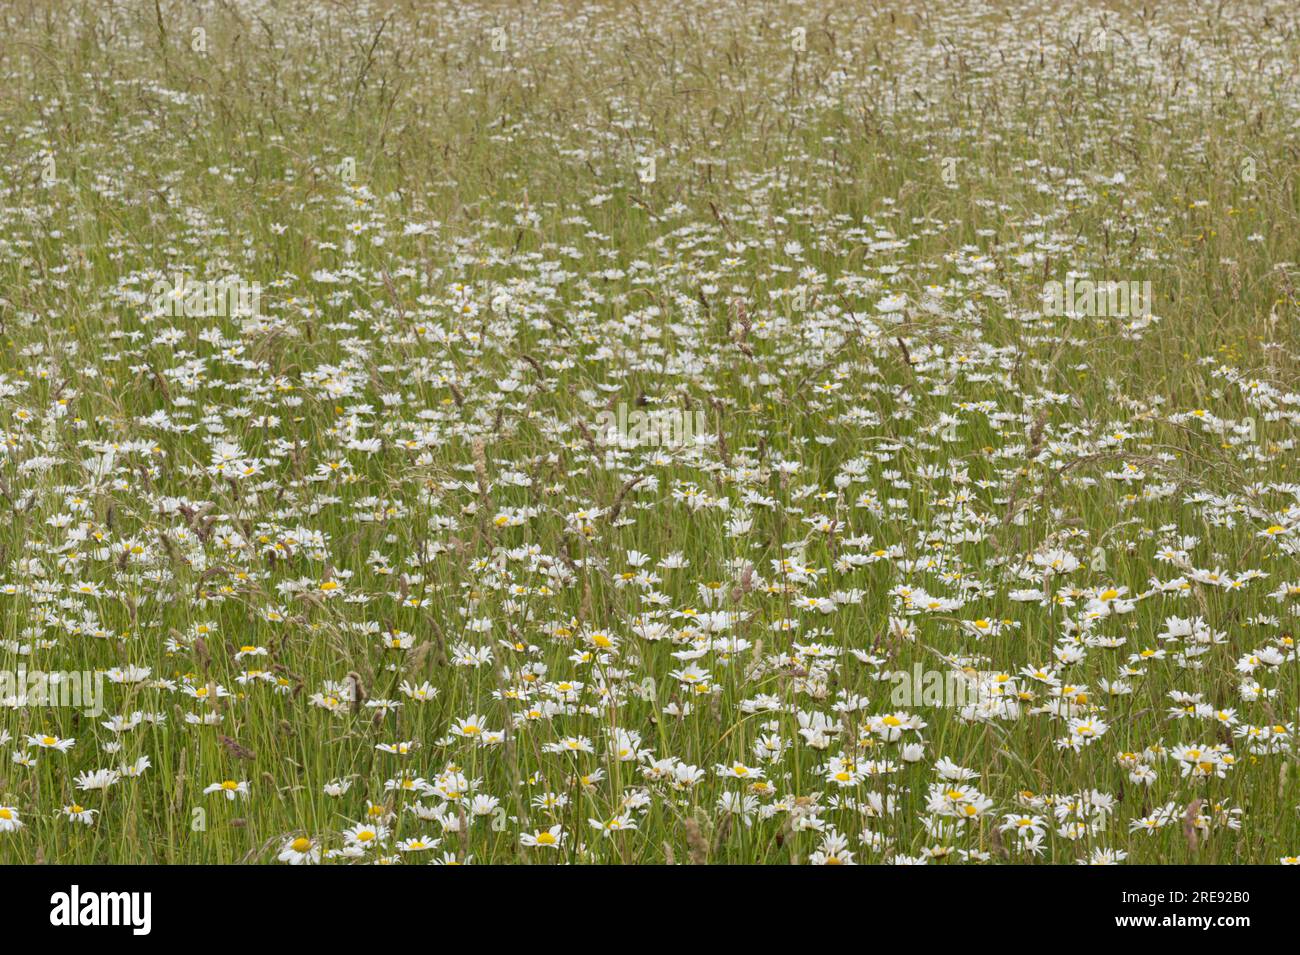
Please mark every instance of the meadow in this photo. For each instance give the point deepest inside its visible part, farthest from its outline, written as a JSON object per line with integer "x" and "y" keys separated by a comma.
{"x": 699, "y": 432}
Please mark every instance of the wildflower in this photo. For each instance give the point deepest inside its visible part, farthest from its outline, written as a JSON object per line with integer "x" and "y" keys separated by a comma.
{"x": 79, "y": 813}
{"x": 551, "y": 838}
{"x": 230, "y": 789}
{"x": 300, "y": 851}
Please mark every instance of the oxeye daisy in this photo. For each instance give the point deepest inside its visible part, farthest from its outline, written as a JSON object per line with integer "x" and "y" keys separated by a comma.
{"x": 365, "y": 835}
{"x": 79, "y": 813}
{"x": 300, "y": 850}
{"x": 551, "y": 838}
{"x": 230, "y": 789}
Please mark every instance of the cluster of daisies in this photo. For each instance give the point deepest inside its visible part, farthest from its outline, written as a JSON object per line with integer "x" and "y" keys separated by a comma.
{"x": 676, "y": 463}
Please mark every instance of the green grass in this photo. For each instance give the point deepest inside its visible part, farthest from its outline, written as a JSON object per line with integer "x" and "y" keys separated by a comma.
{"x": 794, "y": 190}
